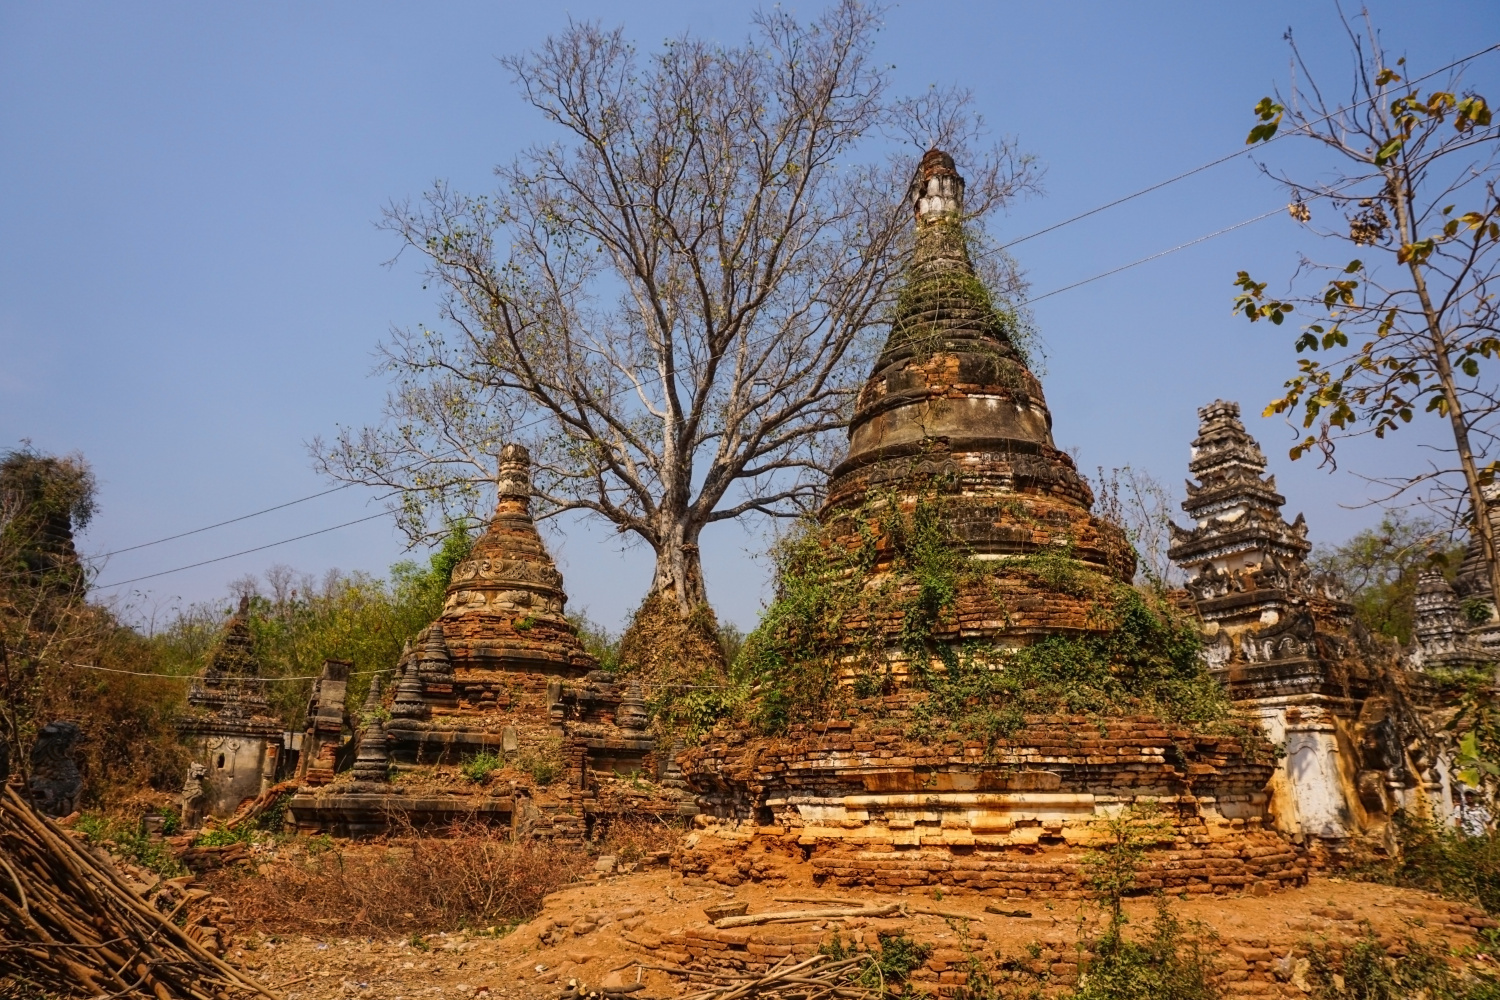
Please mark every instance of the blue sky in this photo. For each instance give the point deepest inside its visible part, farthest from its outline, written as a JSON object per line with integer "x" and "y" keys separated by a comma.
{"x": 192, "y": 285}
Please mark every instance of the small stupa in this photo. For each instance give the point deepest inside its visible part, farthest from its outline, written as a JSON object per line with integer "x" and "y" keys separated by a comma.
{"x": 501, "y": 674}
{"x": 228, "y": 726}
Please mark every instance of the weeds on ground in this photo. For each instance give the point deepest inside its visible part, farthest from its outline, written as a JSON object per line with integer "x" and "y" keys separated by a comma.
{"x": 128, "y": 840}
{"x": 483, "y": 764}
{"x": 1363, "y": 971}
{"x": 1443, "y": 860}
{"x": 891, "y": 964}
{"x": 223, "y": 836}
{"x": 474, "y": 878}
{"x": 543, "y": 763}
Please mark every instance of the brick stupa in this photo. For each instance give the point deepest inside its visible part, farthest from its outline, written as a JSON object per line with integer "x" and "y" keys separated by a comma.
{"x": 502, "y": 673}
{"x": 952, "y": 417}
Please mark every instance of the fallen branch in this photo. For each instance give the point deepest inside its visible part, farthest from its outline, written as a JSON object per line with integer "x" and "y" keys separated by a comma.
{"x": 933, "y": 911}
{"x": 803, "y": 980}
{"x": 1007, "y": 913}
{"x": 792, "y": 916}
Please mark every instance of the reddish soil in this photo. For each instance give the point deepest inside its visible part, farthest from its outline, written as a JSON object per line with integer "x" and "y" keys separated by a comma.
{"x": 600, "y": 932}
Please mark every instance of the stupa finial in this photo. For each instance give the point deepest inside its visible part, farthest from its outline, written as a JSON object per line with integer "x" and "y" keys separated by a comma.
{"x": 937, "y": 190}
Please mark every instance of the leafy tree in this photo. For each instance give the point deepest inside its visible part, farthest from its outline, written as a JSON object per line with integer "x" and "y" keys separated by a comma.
{"x": 671, "y": 304}
{"x": 1406, "y": 326}
{"x": 1380, "y": 566}
{"x": 50, "y": 634}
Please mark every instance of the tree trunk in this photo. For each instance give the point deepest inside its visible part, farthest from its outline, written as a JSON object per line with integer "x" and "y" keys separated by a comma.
{"x": 679, "y": 567}
{"x": 1457, "y": 418}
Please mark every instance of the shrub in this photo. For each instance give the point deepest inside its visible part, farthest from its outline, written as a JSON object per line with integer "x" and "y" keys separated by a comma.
{"x": 1363, "y": 971}
{"x": 1167, "y": 963}
{"x": 1446, "y": 861}
{"x": 223, "y": 836}
{"x": 543, "y": 762}
{"x": 889, "y": 967}
{"x": 126, "y": 839}
{"x": 479, "y": 767}
{"x": 827, "y": 618}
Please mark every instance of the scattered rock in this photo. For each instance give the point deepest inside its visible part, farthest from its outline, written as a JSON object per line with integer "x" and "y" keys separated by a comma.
{"x": 729, "y": 909}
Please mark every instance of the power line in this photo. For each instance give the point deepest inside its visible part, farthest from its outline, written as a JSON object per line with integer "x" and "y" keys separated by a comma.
{"x": 242, "y": 552}
{"x": 232, "y": 520}
{"x": 1162, "y": 253}
{"x": 1035, "y": 298}
{"x": 195, "y": 677}
{"x": 1225, "y": 159}
{"x": 1004, "y": 246}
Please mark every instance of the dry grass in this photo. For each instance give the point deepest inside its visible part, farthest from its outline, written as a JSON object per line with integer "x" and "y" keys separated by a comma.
{"x": 475, "y": 877}
{"x": 472, "y": 879}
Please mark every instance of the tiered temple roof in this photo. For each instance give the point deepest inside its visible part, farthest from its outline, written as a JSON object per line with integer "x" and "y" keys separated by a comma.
{"x": 230, "y": 689}
{"x": 1237, "y": 509}
{"x": 229, "y": 725}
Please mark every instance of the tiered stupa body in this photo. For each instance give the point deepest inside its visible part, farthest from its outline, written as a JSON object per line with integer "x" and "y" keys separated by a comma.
{"x": 501, "y": 673}
{"x": 504, "y": 609}
{"x": 1287, "y": 646}
{"x": 228, "y": 725}
{"x": 952, "y": 415}
{"x": 952, "y": 419}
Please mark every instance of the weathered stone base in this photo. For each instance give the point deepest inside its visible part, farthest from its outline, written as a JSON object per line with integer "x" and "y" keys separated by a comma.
{"x": 1264, "y": 860}
{"x": 345, "y": 813}
{"x": 348, "y": 810}
{"x": 1258, "y": 861}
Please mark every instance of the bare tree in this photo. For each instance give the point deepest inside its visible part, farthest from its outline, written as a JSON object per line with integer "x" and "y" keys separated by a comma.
{"x": 1143, "y": 507}
{"x": 674, "y": 303}
{"x": 1408, "y": 322}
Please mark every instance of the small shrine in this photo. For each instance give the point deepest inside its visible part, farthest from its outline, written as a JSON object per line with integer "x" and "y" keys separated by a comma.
{"x": 228, "y": 726}
{"x": 1355, "y": 723}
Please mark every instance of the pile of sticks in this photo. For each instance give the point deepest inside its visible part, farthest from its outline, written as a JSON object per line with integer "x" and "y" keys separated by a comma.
{"x": 70, "y": 924}
{"x": 817, "y": 978}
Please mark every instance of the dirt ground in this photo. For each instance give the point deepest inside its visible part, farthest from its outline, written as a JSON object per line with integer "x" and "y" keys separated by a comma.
{"x": 601, "y": 932}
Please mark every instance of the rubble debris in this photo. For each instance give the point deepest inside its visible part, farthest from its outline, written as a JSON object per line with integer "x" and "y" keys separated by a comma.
{"x": 56, "y": 783}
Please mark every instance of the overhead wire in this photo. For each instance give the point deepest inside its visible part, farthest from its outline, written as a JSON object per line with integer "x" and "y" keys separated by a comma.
{"x": 232, "y": 520}
{"x": 242, "y": 552}
{"x": 196, "y": 677}
{"x": 657, "y": 378}
{"x": 1004, "y": 246}
{"x": 1035, "y": 298}
{"x": 1235, "y": 155}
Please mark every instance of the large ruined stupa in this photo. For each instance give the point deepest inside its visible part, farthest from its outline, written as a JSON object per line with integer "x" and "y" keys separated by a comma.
{"x": 951, "y": 442}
